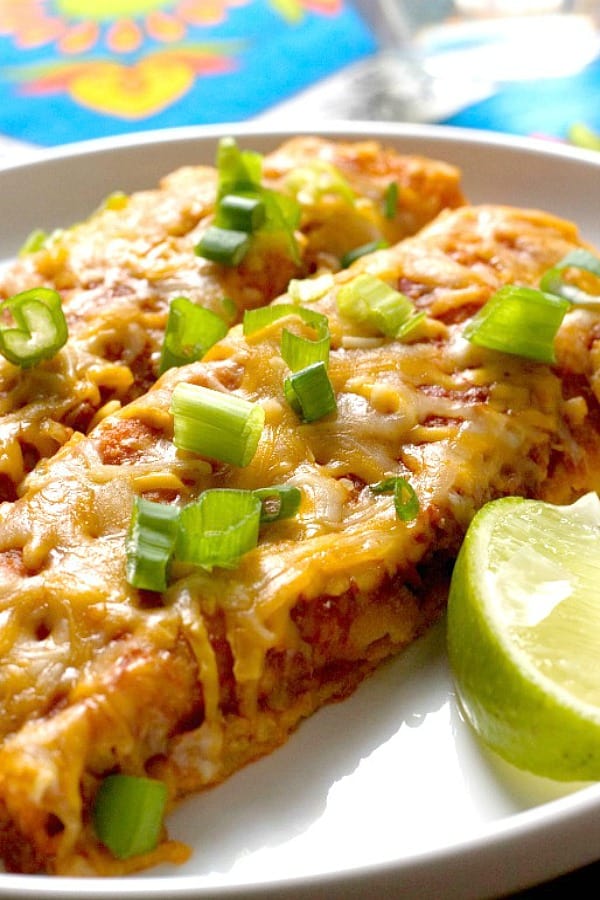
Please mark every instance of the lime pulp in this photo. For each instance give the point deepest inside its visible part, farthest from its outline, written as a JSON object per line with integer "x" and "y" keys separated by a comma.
{"x": 524, "y": 633}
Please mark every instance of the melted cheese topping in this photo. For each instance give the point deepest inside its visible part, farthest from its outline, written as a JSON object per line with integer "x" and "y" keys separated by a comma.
{"x": 118, "y": 272}
{"x": 85, "y": 654}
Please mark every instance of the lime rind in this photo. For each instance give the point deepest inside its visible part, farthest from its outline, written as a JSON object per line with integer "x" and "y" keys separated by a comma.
{"x": 523, "y": 713}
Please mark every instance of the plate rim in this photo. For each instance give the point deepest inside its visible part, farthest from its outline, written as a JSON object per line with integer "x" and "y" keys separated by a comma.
{"x": 513, "y": 832}
{"x": 429, "y": 868}
{"x": 36, "y": 155}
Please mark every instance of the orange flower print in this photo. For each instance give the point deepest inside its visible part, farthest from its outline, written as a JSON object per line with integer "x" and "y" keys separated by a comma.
{"x": 128, "y": 58}
{"x": 136, "y": 79}
{"x": 128, "y": 91}
{"x": 79, "y": 26}
{"x": 293, "y": 10}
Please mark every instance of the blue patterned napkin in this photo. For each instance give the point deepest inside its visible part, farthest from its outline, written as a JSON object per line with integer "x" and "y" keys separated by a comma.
{"x": 547, "y": 107}
{"x": 77, "y": 69}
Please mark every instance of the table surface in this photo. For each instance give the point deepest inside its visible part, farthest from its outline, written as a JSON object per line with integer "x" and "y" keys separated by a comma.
{"x": 67, "y": 76}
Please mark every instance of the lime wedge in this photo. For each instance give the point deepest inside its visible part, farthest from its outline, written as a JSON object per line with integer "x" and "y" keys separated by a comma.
{"x": 524, "y": 634}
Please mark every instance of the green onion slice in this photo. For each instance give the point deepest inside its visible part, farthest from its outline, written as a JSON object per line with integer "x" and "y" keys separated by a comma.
{"x": 242, "y": 212}
{"x": 128, "y": 814}
{"x": 280, "y": 501}
{"x": 223, "y": 245}
{"x": 300, "y": 352}
{"x": 263, "y": 316}
{"x": 240, "y": 173}
{"x": 310, "y": 392}
{"x": 390, "y": 200}
{"x": 406, "y": 502}
{"x": 519, "y": 320}
{"x": 237, "y": 169}
{"x": 553, "y": 280}
{"x": 297, "y": 351}
{"x": 150, "y": 544}
{"x": 317, "y": 179}
{"x": 282, "y": 217}
{"x": 372, "y": 302}
{"x": 39, "y": 330}
{"x": 307, "y": 290}
{"x": 352, "y": 255}
{"x": 34, "y": 241}
{"x": 191, "y": 331}
{"x": 409, "y": 326}
{"x": 219, "y": 528}
{"x": 215, "y": 424}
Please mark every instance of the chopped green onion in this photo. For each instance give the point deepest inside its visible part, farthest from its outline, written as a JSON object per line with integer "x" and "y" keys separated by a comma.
{"x": 406, "y": 502}
{"x": 33, "y": 242}
{"x": 241, "y": 212}
{"x": 237, "y": 169}
{"x": 297, "y": 351}
{"x": 191, "y": 331}
{"x": 581, "y": 135}
{"x": 41, "y": 328}
{"x": 307, "y": 290}
{"x": 216, "y": 530}
{"x": 215, "y": 424}
{"x": 390, "y": 200}
{"x": 300, "y": 352}
{"x": 263, "y": 316}
{"x": 352, "y": 255}
{"x": 553, "y": 281}
{"x": 280, "y": 501}
{"x": 240, "y": 172}
{"x": 128, "y": 814}
{"x": 150, "y": 543}
{"x": 411, "y": 324}
{"x": 219, "y": 528}
{"x": 310, "y": 392}
{"x": 317, "y": 179}
{"x": 519, "y": 320}
{"x": 372, "y": 302}
{"x": 223, "y": 245}
{"x": 282, "y": 217}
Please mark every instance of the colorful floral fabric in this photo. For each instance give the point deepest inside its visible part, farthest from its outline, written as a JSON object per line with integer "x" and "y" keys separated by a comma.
{"x": 72, "y": 69}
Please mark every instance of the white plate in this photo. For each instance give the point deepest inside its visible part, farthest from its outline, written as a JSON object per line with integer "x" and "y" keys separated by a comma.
{"x": 386, "y": 794}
